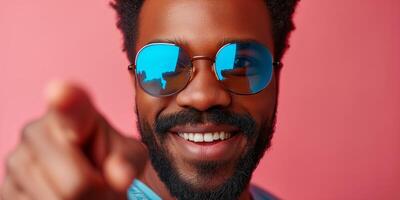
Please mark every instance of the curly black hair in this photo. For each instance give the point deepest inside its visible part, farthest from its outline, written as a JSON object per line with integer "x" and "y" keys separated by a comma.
{"x": 281, "y": 12}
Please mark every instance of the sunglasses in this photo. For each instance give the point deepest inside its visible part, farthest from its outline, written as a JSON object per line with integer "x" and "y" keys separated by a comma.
{"x": 164, "y": 69}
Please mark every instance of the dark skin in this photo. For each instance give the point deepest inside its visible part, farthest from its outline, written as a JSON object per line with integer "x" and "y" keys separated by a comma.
{"x": 201, "y": 26}
{"x": 73, "y": 153}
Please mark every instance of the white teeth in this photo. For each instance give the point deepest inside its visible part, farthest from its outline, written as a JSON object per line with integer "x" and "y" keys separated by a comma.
{"x": 208, "y": 137}
{"x": 198, "y": 137}
{"x": 205, "y": 137}
{"x": 222, "y": 135}
{"x": 216, "y": 136}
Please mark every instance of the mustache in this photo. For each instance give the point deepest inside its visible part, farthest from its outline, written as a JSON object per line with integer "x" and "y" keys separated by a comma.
{"x": 244, "y": 122}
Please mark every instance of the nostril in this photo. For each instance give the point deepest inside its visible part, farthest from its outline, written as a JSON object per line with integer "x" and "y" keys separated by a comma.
{"x": 203, "y": 98}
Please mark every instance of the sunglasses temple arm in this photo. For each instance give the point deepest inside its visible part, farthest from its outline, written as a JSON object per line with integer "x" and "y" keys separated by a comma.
{"x": 277, "y": 64}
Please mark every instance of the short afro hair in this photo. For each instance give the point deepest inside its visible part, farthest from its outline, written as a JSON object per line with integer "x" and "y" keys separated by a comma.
{"x": 281, "y": 12}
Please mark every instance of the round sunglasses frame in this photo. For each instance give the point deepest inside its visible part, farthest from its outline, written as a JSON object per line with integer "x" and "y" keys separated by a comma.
{"x": 132, "y": 68}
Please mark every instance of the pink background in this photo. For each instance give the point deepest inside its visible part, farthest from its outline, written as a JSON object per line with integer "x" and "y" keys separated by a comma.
{"x": 338, "y": 134}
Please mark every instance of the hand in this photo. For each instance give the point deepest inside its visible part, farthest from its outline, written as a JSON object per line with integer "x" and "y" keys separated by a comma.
{"x": 72, "y": 152}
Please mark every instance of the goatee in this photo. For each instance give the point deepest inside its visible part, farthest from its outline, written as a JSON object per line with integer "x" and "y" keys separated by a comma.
{"x": 258, "y": 141}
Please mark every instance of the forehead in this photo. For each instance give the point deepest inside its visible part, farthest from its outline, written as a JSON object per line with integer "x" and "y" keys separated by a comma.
{"x": 202, "y": 24}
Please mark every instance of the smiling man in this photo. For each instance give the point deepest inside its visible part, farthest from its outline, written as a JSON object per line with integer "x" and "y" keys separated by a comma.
{"x": 206, "y": 75}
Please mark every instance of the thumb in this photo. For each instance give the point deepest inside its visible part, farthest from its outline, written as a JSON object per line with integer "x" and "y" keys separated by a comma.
{"x": 72, "y": 108}
{"x": 125, "y": 163}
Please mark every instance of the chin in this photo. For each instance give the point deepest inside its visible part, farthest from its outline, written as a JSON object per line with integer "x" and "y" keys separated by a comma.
{"x": 196, "y": 167}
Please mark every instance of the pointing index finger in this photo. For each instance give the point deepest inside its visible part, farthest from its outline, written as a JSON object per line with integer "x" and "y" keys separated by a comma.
{"x": 73, "y": 110}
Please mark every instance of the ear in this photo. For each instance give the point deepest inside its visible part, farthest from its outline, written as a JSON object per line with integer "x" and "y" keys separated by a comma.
{"x": 131, "y": 69}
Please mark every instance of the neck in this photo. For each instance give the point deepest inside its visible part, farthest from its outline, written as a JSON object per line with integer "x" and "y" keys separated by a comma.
{"x": 151, "y": 179}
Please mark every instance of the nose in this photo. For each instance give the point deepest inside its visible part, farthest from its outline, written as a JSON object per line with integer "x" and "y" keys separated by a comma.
{"x": 204, "y": 90}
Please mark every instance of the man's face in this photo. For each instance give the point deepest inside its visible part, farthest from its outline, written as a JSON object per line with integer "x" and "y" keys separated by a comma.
{"x": 204, "y": 105}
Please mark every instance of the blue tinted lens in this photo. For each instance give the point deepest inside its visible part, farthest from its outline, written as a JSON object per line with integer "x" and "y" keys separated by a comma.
{"x": 244, "y": 68}
{"x": 162, "y": 69}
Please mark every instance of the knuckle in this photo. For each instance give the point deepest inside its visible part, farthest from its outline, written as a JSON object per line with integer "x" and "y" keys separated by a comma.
{"x": 12, "y": 162}
{"x": 75, "y": 188}
{"x": 30, "y": 130}
{"x": 9, "y": 190}
{"x": 17, "y": 160}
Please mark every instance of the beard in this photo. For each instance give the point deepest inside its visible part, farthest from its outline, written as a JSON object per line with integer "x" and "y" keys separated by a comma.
{"x": 258, "y": 141}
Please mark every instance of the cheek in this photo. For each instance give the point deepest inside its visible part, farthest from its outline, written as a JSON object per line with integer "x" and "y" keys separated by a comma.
{"x": 262, "y": 105}
{"x": 148, "y": 106}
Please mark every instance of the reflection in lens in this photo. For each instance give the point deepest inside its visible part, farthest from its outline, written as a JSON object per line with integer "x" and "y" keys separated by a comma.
{"x": 244, "y": 68}
{"x": 162, "y": 69}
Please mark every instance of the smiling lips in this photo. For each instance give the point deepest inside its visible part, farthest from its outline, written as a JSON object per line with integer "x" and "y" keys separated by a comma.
{"x": 205, "y": 137}
{"x": 207, "y": 141}
{"x": 205, "y": 132}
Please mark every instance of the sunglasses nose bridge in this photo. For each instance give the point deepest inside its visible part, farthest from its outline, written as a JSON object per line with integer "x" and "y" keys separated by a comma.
{"x": 195, "y": 58}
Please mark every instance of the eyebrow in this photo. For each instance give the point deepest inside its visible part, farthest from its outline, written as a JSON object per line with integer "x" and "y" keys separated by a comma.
{"x": 181, "y": 42}
{"x": 178, "y": 41}
{"x": 225, "y": 41}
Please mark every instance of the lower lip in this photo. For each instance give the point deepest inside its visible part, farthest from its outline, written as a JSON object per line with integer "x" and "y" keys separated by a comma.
{"x": 208, "y": 151}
